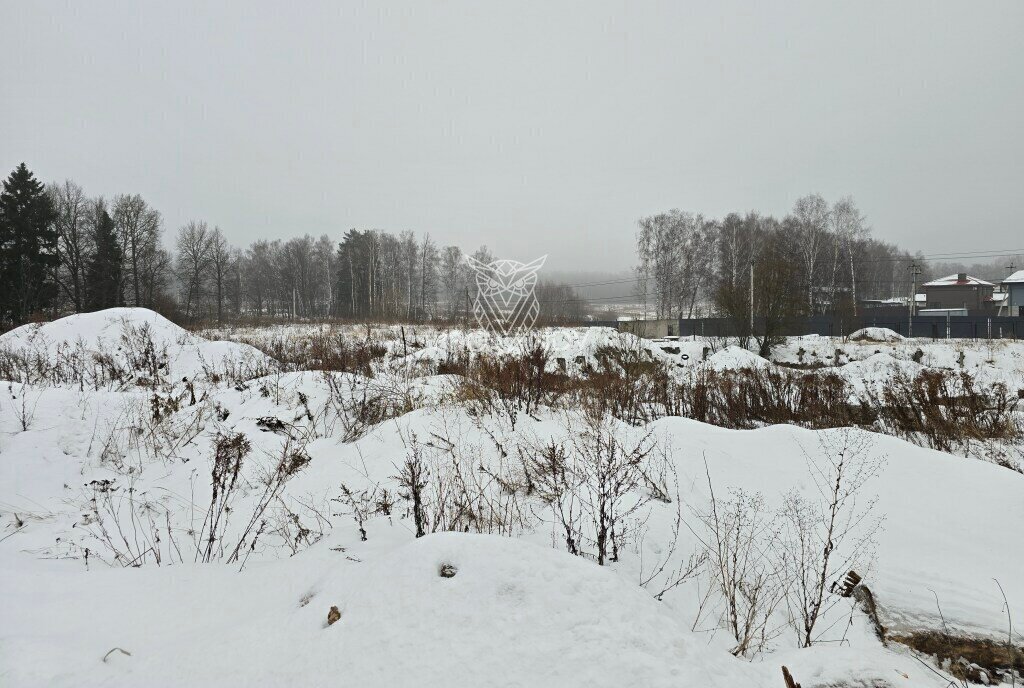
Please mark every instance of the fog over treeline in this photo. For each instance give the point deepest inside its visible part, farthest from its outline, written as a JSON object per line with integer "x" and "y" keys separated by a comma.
{"x": 66, "y": 251}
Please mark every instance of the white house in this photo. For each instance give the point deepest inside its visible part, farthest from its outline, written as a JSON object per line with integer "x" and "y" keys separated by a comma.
{"x": 1014, "y": 287}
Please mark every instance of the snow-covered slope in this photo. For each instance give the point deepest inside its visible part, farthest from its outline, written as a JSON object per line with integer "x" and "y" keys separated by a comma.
{"x": 131, "y": 337}
{"x": 93, "y": 479}
{"x": 513, "y": 614}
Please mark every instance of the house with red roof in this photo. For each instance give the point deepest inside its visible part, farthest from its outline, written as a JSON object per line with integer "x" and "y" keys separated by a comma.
{"x": 959, "y": 291}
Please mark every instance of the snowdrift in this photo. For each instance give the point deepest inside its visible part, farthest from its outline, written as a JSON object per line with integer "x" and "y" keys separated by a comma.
{"x": 506, "y": 613}
{"x": 131, "y": 337}
{"x": 876, "y": 334}
{"x": 77, "y": 465}
{"x": 736, "y": 358}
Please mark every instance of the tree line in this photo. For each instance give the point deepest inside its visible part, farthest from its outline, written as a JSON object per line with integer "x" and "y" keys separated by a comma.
{"x": 62, "y": 251}
{"x": 820, "y": 258}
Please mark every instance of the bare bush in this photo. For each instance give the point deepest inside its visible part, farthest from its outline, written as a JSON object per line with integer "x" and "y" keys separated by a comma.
{"x": 512, "y": 383}
{"x": 366, "y": 503}
{"x": 550, "y": 478}
{"x": 413, "y": 482}
{"x": 629, "y": 384}
{"x": 323, "y": 349}
{"x": 826, "y": 534}
{"x": 598, "y": 483}
{"x": 358, "y": 403}
{"x": 672, "y": 570}
{"x": 23, "y": 403}
{"x": 291, "y": 459}
{"x": 449, "y": 486}
{"x": 133, "y": 528}
{"x": 947, "y": 411}
{"x": 614, "y": 480}
{"x": 737, "y": 539}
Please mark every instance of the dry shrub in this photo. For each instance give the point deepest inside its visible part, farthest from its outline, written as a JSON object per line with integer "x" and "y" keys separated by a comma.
{"x": 599, "y": 483}
{"x": 628, "y": 385}
{"x": 448, "y": 486}
{"x": 947, "y": 410}
{"x": 359, "y": 403}
{"x": 750, "y": 398}
{"x": 944, "y": 410}
{"x": 513, "y": 383}
{"x": 828, "y": 531}
{"x": 229, "y": 450}
{"x": 737, "y": 539}
{"x": 323, "y": 350}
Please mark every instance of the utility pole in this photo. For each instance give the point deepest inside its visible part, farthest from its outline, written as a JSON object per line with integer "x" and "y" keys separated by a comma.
{"x": 915, "y": 270}
{"x": 751, "y": 298}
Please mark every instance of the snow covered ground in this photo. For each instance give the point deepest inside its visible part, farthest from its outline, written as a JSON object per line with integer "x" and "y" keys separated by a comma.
{"x": 108, "y": 496}
{"x": 989, "y": 361}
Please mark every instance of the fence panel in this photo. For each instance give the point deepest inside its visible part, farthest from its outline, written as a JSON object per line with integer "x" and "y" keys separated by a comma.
{"x": 924, "y": 327}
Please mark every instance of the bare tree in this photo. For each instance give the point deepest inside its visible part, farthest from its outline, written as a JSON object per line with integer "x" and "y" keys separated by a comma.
{"x": 409, "y": 258}
{"x": 138, "y": 227}
{"x": 428, "y": 275}
{"x": 258, "y": 277}
{"x": 850, "y": 230}
{"x": 810, "y": 220}
{"x": 451, "y": 277}
{"x": 220, "y": 260}
{"x": 193, "y": 263}
{"x": 660, "y": 242}
{"x": 324, "y": 270}
{"x": 73, "y": 240}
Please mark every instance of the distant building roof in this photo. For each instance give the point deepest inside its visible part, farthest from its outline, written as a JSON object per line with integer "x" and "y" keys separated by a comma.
{"x": 1015, "y": 278}
{"x": 957, "y": 280}
{"x": 895, "y": 300}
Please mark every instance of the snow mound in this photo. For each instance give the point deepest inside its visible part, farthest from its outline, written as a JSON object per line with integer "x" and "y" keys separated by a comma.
{"x": 881, "y": 365}
{"x": 513, "y": 614}
{"x": 97, "y": 330}
{"x": 530, "y": 615}
{"x": 876, "y": 334}
{"x": 736, "y": 358}
{"x": 125, "y": 334}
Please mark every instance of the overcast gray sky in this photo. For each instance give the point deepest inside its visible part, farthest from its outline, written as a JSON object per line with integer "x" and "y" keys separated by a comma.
{"x": 532, "y": 127}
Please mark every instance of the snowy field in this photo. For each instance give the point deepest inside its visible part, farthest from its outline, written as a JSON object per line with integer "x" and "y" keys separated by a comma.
{"x": 180, "y": 509}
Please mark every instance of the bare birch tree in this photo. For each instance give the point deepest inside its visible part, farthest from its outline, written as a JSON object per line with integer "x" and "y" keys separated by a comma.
{"x": 810, "y": 215}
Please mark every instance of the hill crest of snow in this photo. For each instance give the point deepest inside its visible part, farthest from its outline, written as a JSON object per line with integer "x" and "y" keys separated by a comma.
{"x": 127, "y": 335}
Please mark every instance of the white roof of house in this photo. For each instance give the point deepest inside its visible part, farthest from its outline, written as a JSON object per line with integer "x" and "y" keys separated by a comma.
{"x": 1015, "y": 277}
{"x": 954, "y": 280}
{"x": 901, "y": 299}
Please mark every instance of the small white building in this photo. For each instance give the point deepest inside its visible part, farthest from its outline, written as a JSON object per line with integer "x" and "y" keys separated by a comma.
{"x": 1014, "y": 288}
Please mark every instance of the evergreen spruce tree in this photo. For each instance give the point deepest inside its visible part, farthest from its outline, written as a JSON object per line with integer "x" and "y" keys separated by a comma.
{"x": 103, "y": 278}
{"x": 28, "y": 247}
